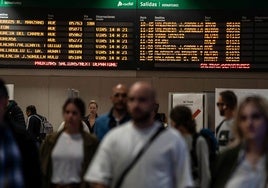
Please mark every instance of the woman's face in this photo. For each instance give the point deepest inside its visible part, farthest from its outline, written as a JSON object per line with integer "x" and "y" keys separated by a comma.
{"x": 252, "y": 123}
{"x": 93, "y": 108}
{"x": 72, "y": 115}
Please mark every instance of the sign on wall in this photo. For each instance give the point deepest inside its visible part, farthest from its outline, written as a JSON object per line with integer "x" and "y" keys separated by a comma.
{"x": 195, "y": 101}
{"x": 10, "y": 89}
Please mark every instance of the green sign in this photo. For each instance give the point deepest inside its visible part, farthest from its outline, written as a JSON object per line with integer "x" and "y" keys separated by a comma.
{"x": 4, "y": 3}
{"x": 138, "y": 4}
{"x": 157, "y": 4}
{"x": 200, "y": 4}
{"x": 105, "y": 4}
{"x": 115, "y": 4}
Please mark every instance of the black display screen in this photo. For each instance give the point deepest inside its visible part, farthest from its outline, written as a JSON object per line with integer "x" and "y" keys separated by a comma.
{"x": 68, "y": 38}
{"x": 133, "y": 39}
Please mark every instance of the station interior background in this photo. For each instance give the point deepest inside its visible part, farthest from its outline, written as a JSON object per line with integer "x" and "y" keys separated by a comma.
{"x": 47, "y": 89}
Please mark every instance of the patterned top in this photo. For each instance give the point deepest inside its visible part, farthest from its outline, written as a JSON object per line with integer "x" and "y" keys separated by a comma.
{"x": 10, "y": 161}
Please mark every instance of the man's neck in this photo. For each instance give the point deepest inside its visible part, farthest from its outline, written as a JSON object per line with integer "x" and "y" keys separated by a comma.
{"x": 119, "y": 114}
{"x": 144, "y": 124}
{"x": 229, "y": 115}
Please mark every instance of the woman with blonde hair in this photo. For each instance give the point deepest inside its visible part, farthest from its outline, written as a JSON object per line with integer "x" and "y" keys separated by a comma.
{"x": 245, "y": 165}
{"x": 90, "y": 119}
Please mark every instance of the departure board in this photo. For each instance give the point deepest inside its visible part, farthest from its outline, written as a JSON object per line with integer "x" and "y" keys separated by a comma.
{"x": 203, "y": 39}
{"x": 67, "y": 38}
{"x": 134, "y": 35}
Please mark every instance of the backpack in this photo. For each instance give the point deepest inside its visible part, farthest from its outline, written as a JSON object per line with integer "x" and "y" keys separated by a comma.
{"x": 212, "y": 144}
{"x": 46, "y": 127}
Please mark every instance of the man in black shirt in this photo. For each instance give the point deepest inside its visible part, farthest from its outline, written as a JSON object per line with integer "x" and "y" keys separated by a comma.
{"x": 33, "y": 123}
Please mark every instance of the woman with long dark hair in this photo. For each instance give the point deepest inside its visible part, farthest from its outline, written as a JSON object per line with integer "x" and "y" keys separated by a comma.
{"x": 182, "y": 120}
{"x": 65, "y": 155}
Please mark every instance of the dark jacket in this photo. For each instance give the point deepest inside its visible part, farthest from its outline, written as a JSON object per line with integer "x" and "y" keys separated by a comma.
{"x": 90, "y": 147}
{"x": 29, "y": 154}
{"x": 91, "y": 128}
{"x": 15, "y": 114}
{"x": 106, "y": 122}
{"x": 225, "y": 165}
{"x": 34, "y": 125}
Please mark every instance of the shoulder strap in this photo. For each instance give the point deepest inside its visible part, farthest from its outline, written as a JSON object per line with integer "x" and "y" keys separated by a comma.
{"x": 193, "y": 151}
{"x": 41, "y": 123}
{"x": 219, "y": 126}
{"x": 35, "y": 115}
{"x": 138, "y": 156}
{"x": 195, "y": 136}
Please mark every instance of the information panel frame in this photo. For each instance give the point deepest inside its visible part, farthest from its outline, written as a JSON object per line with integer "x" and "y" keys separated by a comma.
{"x": 134, "y": 35}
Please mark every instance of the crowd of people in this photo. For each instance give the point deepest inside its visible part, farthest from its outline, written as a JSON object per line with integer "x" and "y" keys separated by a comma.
{"x": 131, "y": 146}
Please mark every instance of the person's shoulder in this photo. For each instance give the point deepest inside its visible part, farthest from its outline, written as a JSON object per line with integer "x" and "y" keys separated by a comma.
{"x": 230, "y": 122}
{"x": 35, "y": 116}
{"x": 35, "y": 119}
{"x": 119, "y": 131}
{"x": 173, "y": 134}
{"x": 102, "y": 117}
{"x": 201, "y": 139}
{"x": 90, "y": 138}
{"x": 16, "y": 128}
{"x": 52, "y": 138}
{"x": 173, "y": 139}
{"x": 121, "y": 128}
{"x": 85, "y": 127}
{"x": 170, "y": 130}
{"x": 12, "y": 104}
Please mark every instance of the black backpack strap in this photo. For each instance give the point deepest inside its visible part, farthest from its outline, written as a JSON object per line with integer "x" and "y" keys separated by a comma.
{"x": 138, "y": 156}
{"x": 194, "y": 161}
{"x": 219, "y": 126}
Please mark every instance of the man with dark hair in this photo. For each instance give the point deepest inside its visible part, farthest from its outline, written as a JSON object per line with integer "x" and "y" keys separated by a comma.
{"x": 33, "y": 123}
{"x": 227, "y": 103}
{"x": 117, "y": 115}
{"x": 19, "y": 159}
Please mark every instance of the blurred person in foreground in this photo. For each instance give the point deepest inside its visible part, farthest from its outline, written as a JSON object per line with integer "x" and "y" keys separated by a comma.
{"x": 19, "y": 159}
{"x": 65, "y": 155}
{"x": 245, "y": 165}
{"x": 118, "y": 114}
{"x": 182, "y": 120}
{"x": 14, "y": 113}
{"x": 164, "y": 163}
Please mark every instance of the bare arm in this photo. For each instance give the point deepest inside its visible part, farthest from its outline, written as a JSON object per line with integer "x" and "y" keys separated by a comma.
{"x": 98, "y": 185}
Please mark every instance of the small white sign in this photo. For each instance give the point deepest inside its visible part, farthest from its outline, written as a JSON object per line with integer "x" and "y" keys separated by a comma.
{"x": 10, "y": 90}
{"x": 72, "y": 93}
{"x": 195, "y": 102}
